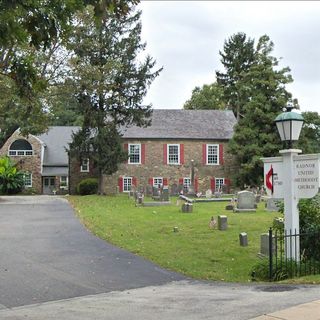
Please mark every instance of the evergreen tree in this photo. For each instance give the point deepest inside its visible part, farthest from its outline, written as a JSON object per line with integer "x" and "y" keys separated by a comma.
{"x": 255, "y": 134}
{"x": 111, "y": 81}
{"x": 237, "y": 57}
{"x": 210, "y": 96}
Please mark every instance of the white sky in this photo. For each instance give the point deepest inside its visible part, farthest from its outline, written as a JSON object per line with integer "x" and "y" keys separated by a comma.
{"x": 185, "y": 38}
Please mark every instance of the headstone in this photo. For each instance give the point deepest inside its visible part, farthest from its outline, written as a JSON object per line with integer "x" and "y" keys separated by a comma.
{"x": 208, "y": 194}
{"x": 174, "y": 190}
{"x": 140, "y": 198}
{"x": 264, "y": 244}
{"x": 225, "y": 188}
{"x": 273, "y": 204}
{"x": 135, "y": 195}
{"x": 243, "y": 238}
{"x": 212, "y": 223}
{"x": 187, "y": 207}
{"x": 246, "y": 200}
{"x": 175, "y": 229}
{"x": 258, "y": 198}
{"x": 229, "y": 207}
{"x": 217, "y": 194}
{"x": 180, "y": 188}
{"x": 155, "y": 191}
{"x": 222, "y": 223}
{"x": 164, "y": 194}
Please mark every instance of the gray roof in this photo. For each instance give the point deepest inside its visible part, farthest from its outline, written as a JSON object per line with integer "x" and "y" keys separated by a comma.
{"x": 55, "y": 171}
{"x": 56, "y": 140}
{"x": 186, "y": 124}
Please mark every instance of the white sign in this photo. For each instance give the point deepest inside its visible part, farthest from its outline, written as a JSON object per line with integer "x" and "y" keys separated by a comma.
{"x": 306, "y": 176}
{"x": 273, "y": 177}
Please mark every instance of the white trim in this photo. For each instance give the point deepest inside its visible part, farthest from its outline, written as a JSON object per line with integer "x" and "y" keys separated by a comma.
{"x": 186, "y": 184}
{"x": 88, "y": 164}
{"x": 207, "y": 154}
{"x": 173, "y": 144}
{"x": 156, "y": 185}
{"x": 29, "y": 185}
{"x": 134, "y": 144}
{"x": 215, "y": 183}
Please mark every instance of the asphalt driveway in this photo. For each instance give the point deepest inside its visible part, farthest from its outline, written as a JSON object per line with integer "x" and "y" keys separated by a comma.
{"x": 46, "y": 255}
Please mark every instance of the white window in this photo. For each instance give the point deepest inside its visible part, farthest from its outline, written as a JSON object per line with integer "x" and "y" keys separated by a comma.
{"x": 134, "y": 153}
{"x": 212, "y": 154}
{"x": 219, "y": 184}
{"x": 27, "y": 180}
{"x": 173, "y": 154}
{"x": 187, "y": 182}
{"x": 84, "y": 165}
{"x": 127, "y": 183}
{"x": 20, "y": 147}
{"x": 64, "y": 182}
{"x": 157, "y": 181}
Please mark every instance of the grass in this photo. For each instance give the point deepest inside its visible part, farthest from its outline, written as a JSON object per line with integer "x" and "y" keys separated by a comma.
{"x": 195, "y": 250}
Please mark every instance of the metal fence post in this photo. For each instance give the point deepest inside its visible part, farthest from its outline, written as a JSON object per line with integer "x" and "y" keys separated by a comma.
{"x": 270, "y": 254}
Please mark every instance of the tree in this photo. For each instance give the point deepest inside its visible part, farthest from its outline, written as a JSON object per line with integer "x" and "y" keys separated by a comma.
{"x": 255, "y": 134}
{"x": 29, "y": 29}
{"x": 210, "y": 96}
{"x": 309, "y": 141}
{"x": 111, "y": 81}
{"x": 237, "y": 57}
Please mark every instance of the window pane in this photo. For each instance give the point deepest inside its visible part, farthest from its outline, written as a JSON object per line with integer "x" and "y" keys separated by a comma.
{"x": 219, "y": 183}
{"x": 173, "y": 154}
{"x": 28, "y": 180}
{"x": 157, "y": 182}
{"x": 212, "y": 157}
{"x": 127, "y": 182}
{"x": 134, "y": 152}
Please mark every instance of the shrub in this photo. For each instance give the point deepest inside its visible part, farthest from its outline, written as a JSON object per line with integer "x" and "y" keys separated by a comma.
{"x": 11, "y": 179}
{"x": 88, "y": 186}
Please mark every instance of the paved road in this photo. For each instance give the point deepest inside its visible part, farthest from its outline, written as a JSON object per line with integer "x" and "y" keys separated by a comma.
{"x": 47, "y": 255}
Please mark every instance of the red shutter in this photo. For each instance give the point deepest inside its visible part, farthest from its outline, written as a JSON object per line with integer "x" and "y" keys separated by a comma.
{"x": 134, "y": 181}
{"x": 213, "y": 184}
{"x": 181, "y": 181}
{"x": 120, "y": 184}
{"x": 204, "y": 154}
{"x": 181, "y": 153}
{"x": 221, "y": 154}
{"x": 150, "y": 181}
{"x": 228, "y": 183}
{"x": 125, "y": 146}
{"x": 165, "y": 154}
{"x": 143, "y": 153}
{"x": 165, "y": 181}
{"x": 196, "y": 184}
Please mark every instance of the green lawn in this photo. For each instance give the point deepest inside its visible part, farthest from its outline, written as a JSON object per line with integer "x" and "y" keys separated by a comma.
{"x": 196, "y": 250}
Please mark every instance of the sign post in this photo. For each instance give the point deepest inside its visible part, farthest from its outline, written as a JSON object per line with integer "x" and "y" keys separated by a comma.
{"x": 292, "y": 177}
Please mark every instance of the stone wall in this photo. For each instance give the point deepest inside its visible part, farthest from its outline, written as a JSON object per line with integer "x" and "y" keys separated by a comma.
{"x": 154, "y": 165}
{"x": 31, "y": 164}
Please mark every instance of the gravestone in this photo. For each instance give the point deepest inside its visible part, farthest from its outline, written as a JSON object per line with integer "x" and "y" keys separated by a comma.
{"x": 273, "y": 204}
{"x": 174, "y": 190}
{"x": 208, "y": 194}
{"x": 229, "y": 206}
{"x": 264, "y": 244}
{"x": 187, "y": 207}
{"x": 246, "y": 201}
{"x": 217, "y": 194}
{"x": 243, "y": 238}
{"x": 164, "y": 196}
{"x": 225, "y": 188}
{"x": 180, "y": 188}
{"x": 258, "y": 198}
{"x": 222, "y": 223}
{"x": 212, "y": 223}
{"x": 140, "y": 198}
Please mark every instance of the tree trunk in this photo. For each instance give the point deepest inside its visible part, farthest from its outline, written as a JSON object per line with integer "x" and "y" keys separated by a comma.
{"x": 101, "y": 183}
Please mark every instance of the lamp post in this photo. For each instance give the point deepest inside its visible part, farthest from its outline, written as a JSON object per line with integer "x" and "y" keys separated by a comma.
{"x": 289, "y": 125}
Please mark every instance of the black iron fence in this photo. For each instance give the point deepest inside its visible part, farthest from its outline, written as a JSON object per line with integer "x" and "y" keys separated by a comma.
{"x": 293, "y": 254}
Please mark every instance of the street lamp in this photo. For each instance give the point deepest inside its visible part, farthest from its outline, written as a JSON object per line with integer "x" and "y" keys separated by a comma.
{"x": 289, "y": 125}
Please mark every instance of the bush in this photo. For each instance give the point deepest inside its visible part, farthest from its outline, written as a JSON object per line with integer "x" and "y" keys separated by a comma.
{"x": 88, "y": 186}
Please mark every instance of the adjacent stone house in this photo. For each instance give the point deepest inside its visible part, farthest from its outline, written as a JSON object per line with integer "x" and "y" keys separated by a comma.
{"x": 177, "y": 143}
{"x": 43, "y": 158}
{"x": 164, "y": 153}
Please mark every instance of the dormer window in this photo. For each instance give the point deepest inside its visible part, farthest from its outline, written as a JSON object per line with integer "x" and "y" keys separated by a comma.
{"x": 20, "y": 147}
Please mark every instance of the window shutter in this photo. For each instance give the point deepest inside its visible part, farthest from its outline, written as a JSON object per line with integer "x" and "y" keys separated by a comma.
{"x": 165, "y": 181}
{"x": 181, "y": 153}
{"x": 228, "y": 183}
{"x": 120, "y": 184}
{"x": 134, "y": 181}
{"x": 150, "y": 181}
{"x": 126, "y": 148}
{"x": 213, "y": 184}
{"x": 221, "y": 160}
{"x": 143, "y": 153}
{"x": 204, "y": 154}
{"x": 181, "y": 181}
{"x": 165, "y": 153}
{"x": 196, "y": 184}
